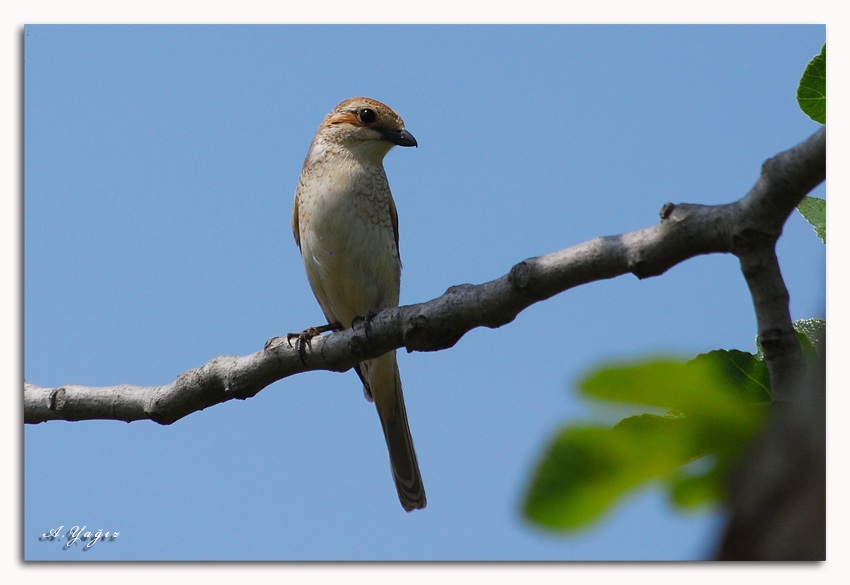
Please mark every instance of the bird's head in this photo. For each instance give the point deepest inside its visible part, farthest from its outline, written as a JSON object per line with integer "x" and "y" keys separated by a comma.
{"x": 366, "y": 127}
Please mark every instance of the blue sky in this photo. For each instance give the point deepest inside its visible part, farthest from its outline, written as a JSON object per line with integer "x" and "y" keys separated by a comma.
{"x": 160, "y": 166}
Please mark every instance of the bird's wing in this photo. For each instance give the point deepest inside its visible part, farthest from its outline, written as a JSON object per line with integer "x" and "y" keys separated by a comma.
{"x": 295, "y": 229}
{"x": 394, "y": 219}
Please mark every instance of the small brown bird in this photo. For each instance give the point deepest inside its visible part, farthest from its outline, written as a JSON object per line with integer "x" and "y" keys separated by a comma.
{"x": 345, "y": 223}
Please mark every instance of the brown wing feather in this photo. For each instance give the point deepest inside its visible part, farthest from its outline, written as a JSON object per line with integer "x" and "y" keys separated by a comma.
{"x": 296, "y": 230}
{"x": 394, "y": 219}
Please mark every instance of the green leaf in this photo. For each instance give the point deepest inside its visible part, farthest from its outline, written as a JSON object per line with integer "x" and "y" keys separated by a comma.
{"x": 699, "y": 388}
{"x": 717, "y": 403}
{"x": 693, "y": 491}
{"x": 712, "y": 401}
{"x": 812, "y": 335}
{"x": 577, "y": 478}
{"x": 745, "y": 373}
{"x": 811, "y": 93}
{"x": 589, "y": 468}
{"x": 814, "y": 210}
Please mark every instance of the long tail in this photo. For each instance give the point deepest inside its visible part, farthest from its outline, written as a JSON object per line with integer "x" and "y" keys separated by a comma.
{"x": 385, "y": 385}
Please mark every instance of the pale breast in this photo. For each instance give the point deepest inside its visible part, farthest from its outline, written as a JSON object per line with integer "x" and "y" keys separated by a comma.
{"x": 347, "y": 239}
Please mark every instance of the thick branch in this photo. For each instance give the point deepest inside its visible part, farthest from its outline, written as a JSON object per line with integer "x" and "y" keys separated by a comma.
{"x": 685, "y": 231}
{"x": 777, "y": 496}
{"x": 784, "y": 181}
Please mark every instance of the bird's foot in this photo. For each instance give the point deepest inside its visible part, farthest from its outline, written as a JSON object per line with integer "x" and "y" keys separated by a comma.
{"x": 367, "y": 322}
{"x": 303, "y": 339}
{"x": 311, "y": 332}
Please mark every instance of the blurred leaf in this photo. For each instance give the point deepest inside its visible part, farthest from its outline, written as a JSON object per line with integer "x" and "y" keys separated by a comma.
{"x": 693, "y": 491}
{"x": 578, "y": 478}
{"x": 814, "y": 210}
{"x": 711, "y": 399}
{"x": 811, "y": 94}
{"x": 587, "y": 469}
{"x": 699, "y": 388}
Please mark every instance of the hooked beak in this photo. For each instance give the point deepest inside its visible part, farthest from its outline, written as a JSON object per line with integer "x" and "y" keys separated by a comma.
{"x": 401, "y": 137}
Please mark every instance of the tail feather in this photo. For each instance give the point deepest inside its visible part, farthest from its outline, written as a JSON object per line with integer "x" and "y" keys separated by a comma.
{"x": 385, "y": 385}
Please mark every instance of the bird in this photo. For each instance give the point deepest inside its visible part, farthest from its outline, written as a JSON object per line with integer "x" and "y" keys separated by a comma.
{"x": 345, "y": 224}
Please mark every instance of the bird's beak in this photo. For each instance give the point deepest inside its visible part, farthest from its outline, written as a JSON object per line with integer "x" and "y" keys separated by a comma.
{"x": 401, "y": 137}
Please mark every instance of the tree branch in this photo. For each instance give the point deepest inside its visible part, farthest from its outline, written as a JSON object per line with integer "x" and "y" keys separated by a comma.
{"x": 784, "y": 181}
{"x": 746, "y": 228}
{"x": 777, "y": 495}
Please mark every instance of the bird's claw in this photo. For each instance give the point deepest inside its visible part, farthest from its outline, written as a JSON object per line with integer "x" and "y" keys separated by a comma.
{"x": 304, "y": 338}
{"x": 367, "y": 322}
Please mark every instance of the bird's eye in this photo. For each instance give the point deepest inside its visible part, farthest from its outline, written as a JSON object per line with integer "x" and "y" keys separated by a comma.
{"x": 367, "y": 116}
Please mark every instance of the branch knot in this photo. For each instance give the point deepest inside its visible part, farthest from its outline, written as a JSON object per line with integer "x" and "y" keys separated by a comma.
{"x": 519, "y": 276}
{"x": 56, "y": 399}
